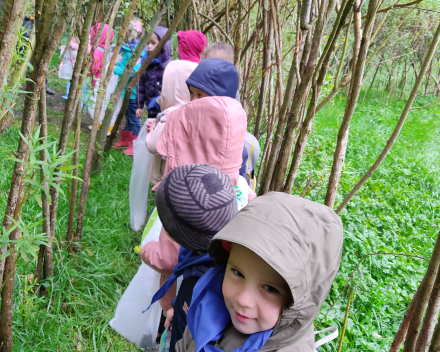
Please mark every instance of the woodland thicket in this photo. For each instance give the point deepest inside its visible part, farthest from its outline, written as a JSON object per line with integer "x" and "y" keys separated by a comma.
{"x": 313, "y": 75}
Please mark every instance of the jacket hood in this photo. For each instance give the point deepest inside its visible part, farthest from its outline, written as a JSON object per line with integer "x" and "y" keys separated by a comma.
{"x": 302, "y": 241}
{"x": 216, "y": 77}
{"x": 205, "y": 131}
{"x": 191, "y": 45}
{"x": 95, "y": 30}
{"x": 166, "y": 53}
{"x": 174, "y": 89}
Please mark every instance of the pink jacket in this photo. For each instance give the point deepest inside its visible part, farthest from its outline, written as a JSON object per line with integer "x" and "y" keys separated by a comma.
{"x": 98, "y": 55}
{"x": 191, "y": 45}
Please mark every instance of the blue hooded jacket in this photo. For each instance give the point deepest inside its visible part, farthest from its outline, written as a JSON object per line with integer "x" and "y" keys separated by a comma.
{"x": 216, "y": 77}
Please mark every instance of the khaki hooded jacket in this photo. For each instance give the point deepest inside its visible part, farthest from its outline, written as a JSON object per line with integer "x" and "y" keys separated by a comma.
{"x": 302, "y": 241}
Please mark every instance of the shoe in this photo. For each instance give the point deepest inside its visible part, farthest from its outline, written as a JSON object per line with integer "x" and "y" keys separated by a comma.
{"x": 129, "y": 151}
{"x": 49, "y": 91}
{"x": 137, "y": 249}
{"x": 91, "y": 126}
{"x": 109, "y": 131}
{"x": 123, "y": 142}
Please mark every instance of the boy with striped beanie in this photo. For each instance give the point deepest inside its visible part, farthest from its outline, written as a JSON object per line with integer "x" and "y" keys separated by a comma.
{"x": 194, "y": 202}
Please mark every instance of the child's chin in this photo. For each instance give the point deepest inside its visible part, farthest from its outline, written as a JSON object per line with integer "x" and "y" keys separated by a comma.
{"x": 245, "y": 328}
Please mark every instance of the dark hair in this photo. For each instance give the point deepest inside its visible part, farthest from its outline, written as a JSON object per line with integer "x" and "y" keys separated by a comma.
{"x": 221, "y": 47}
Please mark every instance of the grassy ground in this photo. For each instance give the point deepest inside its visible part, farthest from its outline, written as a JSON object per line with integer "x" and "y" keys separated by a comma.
{"x": 396, "y": 211}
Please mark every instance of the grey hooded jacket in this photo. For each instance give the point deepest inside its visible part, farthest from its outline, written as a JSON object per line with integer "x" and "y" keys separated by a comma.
{"x": 302, "y": 241}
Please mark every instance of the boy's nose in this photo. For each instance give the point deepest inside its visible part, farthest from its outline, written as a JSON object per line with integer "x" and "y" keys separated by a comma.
{"x": 246, "y": 298}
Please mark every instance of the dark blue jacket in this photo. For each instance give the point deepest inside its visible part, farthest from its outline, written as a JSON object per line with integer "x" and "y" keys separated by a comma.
{"x": 150, "y": 83}
{"x": 216, "y": 77}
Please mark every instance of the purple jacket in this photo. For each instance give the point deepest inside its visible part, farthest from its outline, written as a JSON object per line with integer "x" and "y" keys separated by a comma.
{"x": 150, "y": 83}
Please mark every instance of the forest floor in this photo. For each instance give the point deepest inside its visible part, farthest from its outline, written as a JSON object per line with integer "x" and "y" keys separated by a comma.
{"x": 396, "y": 211}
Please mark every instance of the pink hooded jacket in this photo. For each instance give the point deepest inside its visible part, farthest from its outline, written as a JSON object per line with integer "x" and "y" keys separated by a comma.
{"x": 209, "y": 130}
{"x": 98, "y": 55}
{"x": 191, "y": 45}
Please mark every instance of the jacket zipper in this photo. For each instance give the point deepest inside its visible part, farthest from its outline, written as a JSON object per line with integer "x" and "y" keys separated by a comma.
{"x": 222, "y": 340}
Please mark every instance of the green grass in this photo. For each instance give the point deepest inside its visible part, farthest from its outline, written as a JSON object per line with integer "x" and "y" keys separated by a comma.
{"x": 88, "y": 285}
{"x": 396, "y": 211}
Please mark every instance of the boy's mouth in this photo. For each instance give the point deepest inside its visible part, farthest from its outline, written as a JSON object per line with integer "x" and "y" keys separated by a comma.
{"x": 242, "y": 318}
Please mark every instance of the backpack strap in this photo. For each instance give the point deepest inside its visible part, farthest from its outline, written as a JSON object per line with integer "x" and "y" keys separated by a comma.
{"x": 334, "y": 334}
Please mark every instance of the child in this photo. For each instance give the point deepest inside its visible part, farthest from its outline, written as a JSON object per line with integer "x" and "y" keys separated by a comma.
{"x": 190, "y": 45}
{"x": 220, "y": 50}
{"x": 150, "y": 84}
{"x": 132, "y": 125}
{"x": 98, "y": 54}
{"x": 194, "y": 202}
{"x": 275, "y": 264}
{"x": 209, "y": 131}
{"x": 174, "y": 94}
{"x": 217, "y": 77}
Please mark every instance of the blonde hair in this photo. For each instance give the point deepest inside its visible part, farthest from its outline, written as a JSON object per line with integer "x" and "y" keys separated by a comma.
{"x": 220, "y": 50}
{"x": 135, "y": 29}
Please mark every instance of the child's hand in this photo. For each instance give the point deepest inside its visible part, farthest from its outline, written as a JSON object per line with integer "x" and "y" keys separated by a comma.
{"x": 139, "y": 113}
{"x": 169, "y": 319}
{"x": 149, "y": 125}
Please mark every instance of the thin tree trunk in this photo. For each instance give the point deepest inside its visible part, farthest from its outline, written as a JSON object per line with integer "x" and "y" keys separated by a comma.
{"x": 356, "y": 83}
{"x": 307, "y": 74}
{"x": 103, "y": 87}
{"x": 400, "y": 123}
{"x": 13, "y": 207}
{"x": 106, "y": 142}
{"x": 48, "y": 250}
{"x": 69, "y": 110}
{"x": 11, "y": 20}
{"x": 306, "y": 126}
{"x": 403, "y": 328}
{"x": 128, "y": 91}
{"x": 267, "y": 54}
{"x": 74, "y": 187}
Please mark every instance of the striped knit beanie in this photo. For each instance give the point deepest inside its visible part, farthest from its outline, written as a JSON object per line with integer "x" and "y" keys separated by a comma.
{"x": 194, "y": 202}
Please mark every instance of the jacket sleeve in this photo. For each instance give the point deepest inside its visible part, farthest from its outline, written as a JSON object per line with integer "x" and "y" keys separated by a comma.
{"x": 162, "y": 256}
{"x": 141, "y": 91}
{"x": 153, "y": 137}
{"x": 186, "y": 343}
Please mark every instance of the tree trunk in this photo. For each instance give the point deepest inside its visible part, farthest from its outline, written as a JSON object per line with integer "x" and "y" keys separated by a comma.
{"x": 307, "y": 73}
{"x": 74, "y": 187}
{"x": 268, "y": 40}
{"x": 356, "y": 83}
{"x": 10, "y": 21}
{"x": 400, "y": 123}
{"x": 13, "y": 207}
{"x": 106, "y": 142}
{"x": 128, "y": 91}
{"x": 48, "y": 250}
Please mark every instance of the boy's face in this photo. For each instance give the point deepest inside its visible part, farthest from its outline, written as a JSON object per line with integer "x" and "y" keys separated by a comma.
{"x": 154, "y": 40}
{"x": 197, "y": 93}
{"x": 255, "y": 293}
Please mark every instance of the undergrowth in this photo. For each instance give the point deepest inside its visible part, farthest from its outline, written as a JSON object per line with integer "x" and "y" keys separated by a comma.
{"x": 396, "y": 211}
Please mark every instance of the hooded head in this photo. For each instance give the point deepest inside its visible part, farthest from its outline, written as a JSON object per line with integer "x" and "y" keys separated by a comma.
{"x": 174, "y": 89}
{"x": 191, "y": 45}
{"x": 300, "y": 240}
{"x": 95, "y": 30}
{"x": 195, "y": 202}
{"x": 216, "y": 77}
{"x": 165, "y": 55}
{"x": 209, "y": 131}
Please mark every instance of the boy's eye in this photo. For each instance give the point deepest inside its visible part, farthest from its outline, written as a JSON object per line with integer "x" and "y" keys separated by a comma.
{"x": 237, "y": 273}
{"x": 271, "y": 289}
